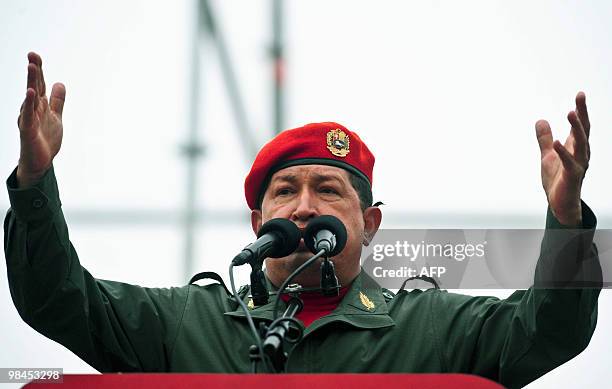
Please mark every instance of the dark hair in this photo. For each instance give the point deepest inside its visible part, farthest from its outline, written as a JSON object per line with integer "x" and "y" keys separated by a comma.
{"x": 363, "y": 190}
{"x": 361, "y": 186}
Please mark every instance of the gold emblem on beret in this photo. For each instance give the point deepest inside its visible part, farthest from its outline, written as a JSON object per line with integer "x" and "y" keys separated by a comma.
{"x": 338, "y": 143}
{"x": 250, "y": 304}
{"x": 366, "y": 301}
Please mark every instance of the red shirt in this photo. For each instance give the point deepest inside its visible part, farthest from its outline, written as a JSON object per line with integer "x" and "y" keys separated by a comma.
{"x": 316, "y": 305}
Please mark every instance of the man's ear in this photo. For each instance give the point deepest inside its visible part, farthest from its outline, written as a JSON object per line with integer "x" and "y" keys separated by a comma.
{"x": 256, "y": 220}
{"x": 372, "y": 218}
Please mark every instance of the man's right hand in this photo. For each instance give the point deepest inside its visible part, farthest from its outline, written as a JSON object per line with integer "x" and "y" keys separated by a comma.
{"x": 40, "y": 125}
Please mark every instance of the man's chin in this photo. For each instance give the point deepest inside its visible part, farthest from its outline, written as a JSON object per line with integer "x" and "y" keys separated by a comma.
{"x": 312, "y": 274}
{"x": 278, "y": 269}
{"x": 298, "y": 258}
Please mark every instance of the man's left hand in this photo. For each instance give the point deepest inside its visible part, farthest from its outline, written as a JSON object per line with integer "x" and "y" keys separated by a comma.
{"x": 564, "y": 165}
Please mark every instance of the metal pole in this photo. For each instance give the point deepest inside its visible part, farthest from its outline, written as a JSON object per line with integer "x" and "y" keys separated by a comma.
{"x": 193, "y": 150}
{"x": 278, "y": 63}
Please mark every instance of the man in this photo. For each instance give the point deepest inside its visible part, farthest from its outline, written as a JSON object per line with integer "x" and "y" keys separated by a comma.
{"x": 321, "y": 168}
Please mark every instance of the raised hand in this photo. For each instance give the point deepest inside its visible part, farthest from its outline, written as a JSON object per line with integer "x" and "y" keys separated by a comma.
{"x": 40, "y": 125}
{"x": 564, "y": 165}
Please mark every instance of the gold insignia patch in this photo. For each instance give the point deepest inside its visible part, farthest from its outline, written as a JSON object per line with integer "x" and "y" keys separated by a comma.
{"x": 366, "y": 301}
{"x": 250, "y": 304}
{"x": 338, "y": 143}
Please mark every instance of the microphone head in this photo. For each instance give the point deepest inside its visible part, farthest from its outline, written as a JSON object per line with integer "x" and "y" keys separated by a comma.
{"x": 329, "y": 223}
{"x": 287, "y": 231}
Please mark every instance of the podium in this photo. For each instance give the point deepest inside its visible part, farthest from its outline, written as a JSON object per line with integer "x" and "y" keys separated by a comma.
{"x": 253, "y": 381}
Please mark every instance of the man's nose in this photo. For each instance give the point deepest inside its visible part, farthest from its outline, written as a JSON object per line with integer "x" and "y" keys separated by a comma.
{"x": 305, "y": 208}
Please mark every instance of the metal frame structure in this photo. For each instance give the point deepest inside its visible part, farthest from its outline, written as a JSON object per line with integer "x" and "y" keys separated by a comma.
{"x": 207, "y": 27}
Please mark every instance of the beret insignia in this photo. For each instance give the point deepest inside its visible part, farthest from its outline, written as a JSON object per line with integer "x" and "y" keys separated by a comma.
{"x": 338, "y": 143}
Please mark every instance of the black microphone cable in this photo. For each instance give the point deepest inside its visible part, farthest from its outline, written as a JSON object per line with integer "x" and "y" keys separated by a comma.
{"x": 276, "y": 238}
{"x": 258, "y": 342}
{"x": 275, "y": 331}
{"x": 291, "y": 277}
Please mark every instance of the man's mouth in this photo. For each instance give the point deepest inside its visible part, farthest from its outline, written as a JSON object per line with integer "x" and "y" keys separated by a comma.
{"x": 302, "y": 246}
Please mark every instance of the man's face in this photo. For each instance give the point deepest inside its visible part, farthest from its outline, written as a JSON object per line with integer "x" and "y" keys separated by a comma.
{"x": 300, "y": 193}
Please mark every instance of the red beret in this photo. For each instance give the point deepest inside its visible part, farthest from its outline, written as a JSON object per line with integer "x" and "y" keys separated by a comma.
{"x": 315, "y": 143}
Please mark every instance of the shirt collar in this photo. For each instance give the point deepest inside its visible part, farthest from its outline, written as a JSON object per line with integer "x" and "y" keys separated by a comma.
{"x": 364, "y": 306}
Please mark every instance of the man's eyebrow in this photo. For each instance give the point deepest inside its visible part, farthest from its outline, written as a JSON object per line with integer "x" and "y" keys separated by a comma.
{"x": 292, "y": 178}
{"x": 328, "y": 177}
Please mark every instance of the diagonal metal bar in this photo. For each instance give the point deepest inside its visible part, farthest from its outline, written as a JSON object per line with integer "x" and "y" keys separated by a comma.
{"x": 242, "y": 124}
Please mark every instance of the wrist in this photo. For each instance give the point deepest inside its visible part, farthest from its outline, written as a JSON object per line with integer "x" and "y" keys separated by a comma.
{"x": 571, "y": 217}
{"x": 25, "y": 179}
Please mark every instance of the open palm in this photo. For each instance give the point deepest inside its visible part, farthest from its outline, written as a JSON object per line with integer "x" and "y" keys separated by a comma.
{"x": 564, "y": 165}
{"x": 40, "y": 124}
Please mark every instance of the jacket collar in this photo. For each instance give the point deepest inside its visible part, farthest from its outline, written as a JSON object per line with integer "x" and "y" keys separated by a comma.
{"x": 364, "y": 306}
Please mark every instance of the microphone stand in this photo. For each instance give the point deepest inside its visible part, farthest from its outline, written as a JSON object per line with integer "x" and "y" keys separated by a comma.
{"x": 259, "y": 291}
{"x": 280, "y": 330}
{"x": 329, "y": 281}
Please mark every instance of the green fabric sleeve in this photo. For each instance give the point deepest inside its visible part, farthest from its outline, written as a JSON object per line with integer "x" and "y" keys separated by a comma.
{"x": 516, "y": 340}
{"x": 110, "y": 325}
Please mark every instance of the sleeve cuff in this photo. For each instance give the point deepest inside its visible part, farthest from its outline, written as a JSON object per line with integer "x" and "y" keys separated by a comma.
{"x": 589, "y": 221}
{"x": 38, "y": 202}
{"x": 568, "y": 257}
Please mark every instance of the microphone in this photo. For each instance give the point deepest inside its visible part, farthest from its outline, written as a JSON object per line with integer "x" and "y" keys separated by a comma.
{"x": 276, "y": 238}
{"x": 325, "y": 232}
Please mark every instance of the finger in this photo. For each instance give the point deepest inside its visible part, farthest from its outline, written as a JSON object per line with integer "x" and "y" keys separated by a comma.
{"x": 32, "y": 75}
{"x": 34, "y": 58}
{"x": 580, "y": 138}
{"x": 37, "y": 60}
{"x": 27, "y": 113}
{"x": 33, "y": 80}
{"x": 568, "y": 161}
{"x": 41, "y": 79}
{"x": 58, "y": 96}
{"x": 583, "y": 114}
{"x": 544, "y": 135}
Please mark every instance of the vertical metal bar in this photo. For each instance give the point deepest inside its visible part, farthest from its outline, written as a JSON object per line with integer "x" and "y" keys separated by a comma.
{"x": 278, "y": 63}
{"x": 192, "y": 149}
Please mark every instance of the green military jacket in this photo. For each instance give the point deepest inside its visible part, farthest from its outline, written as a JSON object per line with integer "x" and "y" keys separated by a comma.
{"x": 117, "y": 327}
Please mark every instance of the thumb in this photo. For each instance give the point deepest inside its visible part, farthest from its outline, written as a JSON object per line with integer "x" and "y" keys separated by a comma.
{"x": 58, "y": 96}
{"x": 544, "y": 135}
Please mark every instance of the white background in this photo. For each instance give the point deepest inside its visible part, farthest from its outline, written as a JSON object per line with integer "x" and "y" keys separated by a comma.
{"x": 445, "y": 93}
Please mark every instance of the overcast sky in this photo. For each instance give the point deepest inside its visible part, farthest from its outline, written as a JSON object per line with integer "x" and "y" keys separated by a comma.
{"x": 445, "y": 93}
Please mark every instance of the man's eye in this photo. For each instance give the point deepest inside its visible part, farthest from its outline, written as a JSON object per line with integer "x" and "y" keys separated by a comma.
{"x": 328, "y": 190}
{"x": 284, "y": 192}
